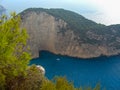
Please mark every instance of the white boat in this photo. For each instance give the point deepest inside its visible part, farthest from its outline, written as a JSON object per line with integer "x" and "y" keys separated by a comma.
{"x": 58, "y": 59}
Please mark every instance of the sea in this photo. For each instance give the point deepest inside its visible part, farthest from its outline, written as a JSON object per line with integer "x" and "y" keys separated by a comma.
{"x": 82, "y": 72}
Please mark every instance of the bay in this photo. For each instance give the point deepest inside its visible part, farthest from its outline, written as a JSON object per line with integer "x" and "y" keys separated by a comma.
{"x": 82, "y": 72}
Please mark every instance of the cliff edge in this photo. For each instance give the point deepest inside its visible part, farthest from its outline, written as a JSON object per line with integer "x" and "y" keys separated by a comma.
{"x": 67, "y": 33}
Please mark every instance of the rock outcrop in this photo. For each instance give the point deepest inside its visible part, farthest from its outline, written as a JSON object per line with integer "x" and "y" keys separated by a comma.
{"x": 47, "y": 32}
{"x": 41, "y": 69}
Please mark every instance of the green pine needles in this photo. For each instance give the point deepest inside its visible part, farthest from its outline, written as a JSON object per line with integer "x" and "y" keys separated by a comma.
{"x": 14, "y": 57}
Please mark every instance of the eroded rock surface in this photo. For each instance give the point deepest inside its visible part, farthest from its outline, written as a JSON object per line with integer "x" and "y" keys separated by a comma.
{"x": 47, "y": 32}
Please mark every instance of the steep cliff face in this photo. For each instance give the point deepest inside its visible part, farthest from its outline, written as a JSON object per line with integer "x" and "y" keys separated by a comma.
{"x": 47, "y": 32}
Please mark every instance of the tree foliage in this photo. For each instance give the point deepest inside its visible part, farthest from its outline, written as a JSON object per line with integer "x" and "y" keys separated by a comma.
{"x": 61, "y": 83}
{"x": 14, "y": 57}
{"x": 58, "y": 83}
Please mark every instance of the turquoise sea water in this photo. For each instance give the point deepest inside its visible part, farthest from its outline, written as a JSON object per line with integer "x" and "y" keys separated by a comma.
{"x": 82, "y": 72}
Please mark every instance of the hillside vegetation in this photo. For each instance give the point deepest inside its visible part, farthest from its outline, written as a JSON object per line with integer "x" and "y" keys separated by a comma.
{"x": 87, "y": 38}
{"x": 79, "y": 24}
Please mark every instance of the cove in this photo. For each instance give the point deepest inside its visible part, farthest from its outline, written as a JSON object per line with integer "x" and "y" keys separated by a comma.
{"x": 82, "y": 72}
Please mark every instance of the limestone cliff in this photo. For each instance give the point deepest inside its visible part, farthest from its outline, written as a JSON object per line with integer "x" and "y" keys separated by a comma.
{"x": 48, "y": 32}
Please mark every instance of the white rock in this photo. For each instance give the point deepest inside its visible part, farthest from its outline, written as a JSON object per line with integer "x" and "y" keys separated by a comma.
{"x": 41, "y": 68}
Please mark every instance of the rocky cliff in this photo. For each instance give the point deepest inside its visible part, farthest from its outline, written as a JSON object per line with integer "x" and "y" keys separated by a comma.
{"x": 75, "y": 36}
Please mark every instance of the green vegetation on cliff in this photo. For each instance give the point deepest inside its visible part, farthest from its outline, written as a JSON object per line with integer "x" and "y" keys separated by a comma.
{"x": 75, "y": 21}
{"x": 87, "y": 31}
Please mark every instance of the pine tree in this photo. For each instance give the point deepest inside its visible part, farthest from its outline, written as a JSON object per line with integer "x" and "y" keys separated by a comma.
{"x": 14, "y": 57}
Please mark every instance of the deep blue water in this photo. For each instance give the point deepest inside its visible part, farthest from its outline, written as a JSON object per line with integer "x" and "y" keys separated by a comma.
{"x": 82, "y": 72}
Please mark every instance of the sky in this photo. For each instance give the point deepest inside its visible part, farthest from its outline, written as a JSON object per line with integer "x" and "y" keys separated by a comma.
{"x": 101, "y": 11}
